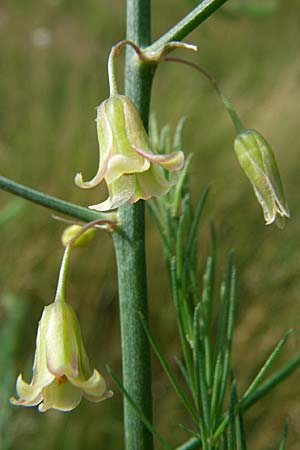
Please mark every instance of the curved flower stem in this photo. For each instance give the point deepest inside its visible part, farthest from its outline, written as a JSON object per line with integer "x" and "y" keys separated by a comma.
{"x": 186, "y": 25}
{"x": 228, "y": 105}
{"x": 53, "y": 203}
{"x": 60, "y": 290}
{"x": 113, "y": 89}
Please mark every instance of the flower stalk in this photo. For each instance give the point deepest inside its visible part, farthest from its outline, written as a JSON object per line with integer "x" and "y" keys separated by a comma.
{"x": 113, "y": 87}
{"x": 61, "y": 284}
{"x": 61, "y": 369}
{"x": 256, "y": 158}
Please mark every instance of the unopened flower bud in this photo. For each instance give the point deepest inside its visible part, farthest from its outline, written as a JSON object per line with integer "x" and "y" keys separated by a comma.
{"x": 130, "y": 168}
{"x": 71, "y": 231}
{"x": 258, "y": 162}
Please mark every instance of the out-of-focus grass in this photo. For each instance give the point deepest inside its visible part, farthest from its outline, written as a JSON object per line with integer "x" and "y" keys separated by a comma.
{"x": 53, "y": 73}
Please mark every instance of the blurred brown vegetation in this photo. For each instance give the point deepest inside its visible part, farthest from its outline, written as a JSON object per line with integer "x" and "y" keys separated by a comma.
{"x": 53, "y": 73}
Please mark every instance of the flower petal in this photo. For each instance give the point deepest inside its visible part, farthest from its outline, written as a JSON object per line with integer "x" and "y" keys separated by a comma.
{"x": 97, "y": 178}
{"x": 272, "y": 172}
{"x": 95, "y": 399}
{"x": 63, "y": 397}
{"x": 30, "y": 395}
{"x": 119, "y": 192}
{"x": 152, "y": 183}
{"x": 41, "y": 375}
{"x": 94, "y": 387}
{"x": 258, "y": 162}
{"x": 119, "y": 165}
{"x": 21, "y": 402}
{"x": 105, "y": 138}
{"x": 269, "y": 208}
{"x": 115, "y": 108}
{"x": 170, "y": 161}
{"x": 62, "y": 338}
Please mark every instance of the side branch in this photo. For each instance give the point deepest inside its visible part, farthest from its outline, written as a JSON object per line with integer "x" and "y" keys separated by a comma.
{"x": 50, "y": 202}
{"x": 186, "y": 25}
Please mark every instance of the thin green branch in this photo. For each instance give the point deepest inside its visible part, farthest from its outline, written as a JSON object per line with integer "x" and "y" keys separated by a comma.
{"x": 186, "y": 25}
{"x": 196, "y": 219}
{"x": 54, "y": 203}
{"x": 177, "y": 297}
{"x": 229, "y": 336}
{"x": 156, "y": 219}
{"x": 191, "y": 444}
{"x": 231, "y": 416}
{"x": 179, "y": 391}
{"x": 251, "y": 390}
{"x": 265, "y": 367}
{"x": 239, "y": 429}
{"x": 284, "y": 435}
{"x": 266, "y": 387}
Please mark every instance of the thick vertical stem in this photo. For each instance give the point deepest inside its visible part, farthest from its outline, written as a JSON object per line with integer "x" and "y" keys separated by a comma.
{"x": 130, "y": 253}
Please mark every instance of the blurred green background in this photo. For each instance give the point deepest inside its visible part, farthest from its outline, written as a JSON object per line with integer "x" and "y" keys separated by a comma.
{"x": 53, "y": 73}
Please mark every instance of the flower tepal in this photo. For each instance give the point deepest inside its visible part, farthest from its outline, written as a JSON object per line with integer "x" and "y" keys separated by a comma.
{"x": 130, "y": 168}
{"x": 61, "y": 371}
{"x": 258, "y": 162}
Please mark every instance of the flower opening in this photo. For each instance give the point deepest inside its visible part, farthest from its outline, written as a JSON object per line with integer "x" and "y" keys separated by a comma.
{"x": 130, "y": 168}
{"x": 61, "y": 370}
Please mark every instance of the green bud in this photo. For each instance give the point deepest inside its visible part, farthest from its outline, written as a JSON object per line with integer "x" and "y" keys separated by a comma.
{"x": 71, "y": 231}
{"x": 258, "y": 162}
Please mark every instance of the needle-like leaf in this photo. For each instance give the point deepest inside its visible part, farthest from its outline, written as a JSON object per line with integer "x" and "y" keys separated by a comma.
{"x": 284, "y": 435}
{"x": 138, "y": 411}
{"x": 179, "y": 391}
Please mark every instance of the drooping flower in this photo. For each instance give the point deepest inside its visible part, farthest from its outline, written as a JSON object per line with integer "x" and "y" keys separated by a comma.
{"x": 258, "y": 162}
{"x": 61, "y": 370}
{"x": 130, "y": 168}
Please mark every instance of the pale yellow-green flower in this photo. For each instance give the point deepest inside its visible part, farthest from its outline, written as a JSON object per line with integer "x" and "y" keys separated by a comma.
{"x": 130, "y": 168}
{"x": 61, "y": 370}
{"x": 258, "y": 162}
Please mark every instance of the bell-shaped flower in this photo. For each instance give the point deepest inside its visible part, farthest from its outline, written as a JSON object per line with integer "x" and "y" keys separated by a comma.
{"x": 130, "y": 168}
{"x": 258, "y": 162}
{"x": 61, "y": 371}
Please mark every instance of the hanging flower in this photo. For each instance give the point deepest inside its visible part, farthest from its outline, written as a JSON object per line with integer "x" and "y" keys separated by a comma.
{"x": 130, "y": 168}
{"x": 258, "y": 162}
{"x": 61, "y": 371}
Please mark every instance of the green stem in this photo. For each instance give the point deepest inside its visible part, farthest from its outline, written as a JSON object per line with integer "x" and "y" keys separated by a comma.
{"x": 228, "y": 105}
{"x": 113, "y": 89}
{"x": 191, "y": 444}
{"x": 130, "y": 253}
{"x": 61, "y": 284}
{"x": 186, "y": 25}
{"x": 113, "y": 86}
{"x": 53, "y": 203}
{"x": 60, "y": 290}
